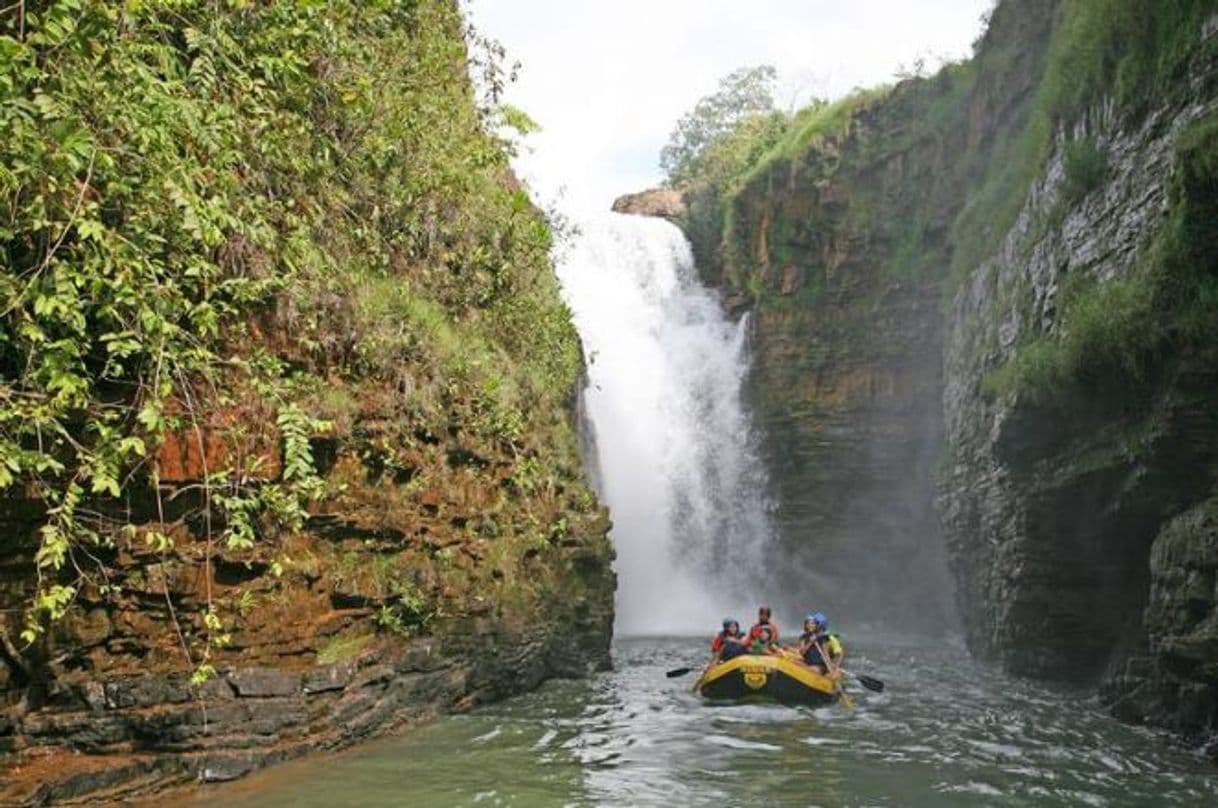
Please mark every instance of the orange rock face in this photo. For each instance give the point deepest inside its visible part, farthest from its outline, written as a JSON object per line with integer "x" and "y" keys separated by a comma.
{"x": 241, "y": 437}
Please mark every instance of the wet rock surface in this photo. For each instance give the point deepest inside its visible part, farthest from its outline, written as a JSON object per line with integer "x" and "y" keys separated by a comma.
{"x": 1176, "y": 682}
{"x": 153, "y": 731}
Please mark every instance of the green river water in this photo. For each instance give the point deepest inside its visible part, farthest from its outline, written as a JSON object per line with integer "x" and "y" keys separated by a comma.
{"x": 946, "y": 732}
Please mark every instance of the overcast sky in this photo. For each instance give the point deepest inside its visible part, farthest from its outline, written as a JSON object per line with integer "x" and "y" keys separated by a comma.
{"x": 607, "y": 79}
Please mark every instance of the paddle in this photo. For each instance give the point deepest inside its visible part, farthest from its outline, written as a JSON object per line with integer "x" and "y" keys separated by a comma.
{"x": 675, "y": 672}
{"x": 869, "y": 682}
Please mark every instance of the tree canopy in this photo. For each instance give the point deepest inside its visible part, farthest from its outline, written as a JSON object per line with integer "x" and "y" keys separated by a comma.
{"x": 743, "y": 94}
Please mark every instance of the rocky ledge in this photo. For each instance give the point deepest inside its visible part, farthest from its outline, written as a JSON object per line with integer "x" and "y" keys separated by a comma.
{"x": 663, "y": 203}
{"x": 389, "y": 612}
{"x": 143, "y": 733}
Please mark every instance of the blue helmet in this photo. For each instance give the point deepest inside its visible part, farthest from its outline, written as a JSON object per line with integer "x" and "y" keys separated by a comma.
{"x": 729, "y": 622}
{"x": 818, "y": 619}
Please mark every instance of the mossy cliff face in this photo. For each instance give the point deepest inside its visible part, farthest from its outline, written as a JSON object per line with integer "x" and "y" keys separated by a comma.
{"x": 991, "y": 293}
{"x": 351, "y": 495}
{"x": 1081, "y": 420}
{"x": 845, "y": 383}
{"x": 839, "y": 243}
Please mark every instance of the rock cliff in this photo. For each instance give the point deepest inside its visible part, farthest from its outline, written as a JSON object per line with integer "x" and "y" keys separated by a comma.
{"x": 840, "y": 242}
{"x": 335, "y": 492}
{"x": 1075, "y": 484}
{"x": 985, "y": 315}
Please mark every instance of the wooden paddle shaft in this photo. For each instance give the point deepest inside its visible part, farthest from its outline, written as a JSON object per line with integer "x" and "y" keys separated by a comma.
{"x": 828, "y": 662}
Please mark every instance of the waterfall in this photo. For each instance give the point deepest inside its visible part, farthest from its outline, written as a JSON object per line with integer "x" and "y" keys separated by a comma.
{"x": 675, "y": 454}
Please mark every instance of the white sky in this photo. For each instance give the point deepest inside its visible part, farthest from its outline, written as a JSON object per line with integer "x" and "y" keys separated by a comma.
{"x": 607, "y": 79}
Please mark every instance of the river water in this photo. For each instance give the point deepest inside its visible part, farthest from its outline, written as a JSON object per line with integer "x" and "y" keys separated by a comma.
{"x": 946, "y": 731}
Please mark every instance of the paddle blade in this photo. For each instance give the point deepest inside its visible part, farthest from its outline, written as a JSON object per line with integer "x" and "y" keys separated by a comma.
{"x": 870, "y": 682}
{"x": 675, "y": 672}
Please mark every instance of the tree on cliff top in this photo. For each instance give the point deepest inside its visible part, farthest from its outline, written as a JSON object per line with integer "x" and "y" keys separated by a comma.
{"x": 744, "y": 94}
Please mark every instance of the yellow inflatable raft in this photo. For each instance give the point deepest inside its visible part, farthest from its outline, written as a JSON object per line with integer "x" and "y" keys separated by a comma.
{"x": 781, "y": 678}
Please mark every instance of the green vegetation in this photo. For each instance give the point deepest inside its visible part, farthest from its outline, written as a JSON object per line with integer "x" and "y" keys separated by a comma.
{"x": 715, "y": 144}
{"x": 203, "y": 205}
{"x": 341, "y": 648}
{"x": 407, "y": 611}
{"x": 1134, "y": 52}
{"x": 744, "y": 148}
{"x": 1085, "y": 166}
{"x": 743, "y": 97}
{"x": 815, "y": 124}
{"x": 1118, "y": 332}
{"x": 1104, "y": 329}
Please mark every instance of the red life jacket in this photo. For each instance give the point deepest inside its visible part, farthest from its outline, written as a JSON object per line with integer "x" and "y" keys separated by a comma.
{"x": 755, "y": 632}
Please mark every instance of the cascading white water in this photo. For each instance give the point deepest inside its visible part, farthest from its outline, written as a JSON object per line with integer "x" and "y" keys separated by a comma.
{"x": 676, "y": 459}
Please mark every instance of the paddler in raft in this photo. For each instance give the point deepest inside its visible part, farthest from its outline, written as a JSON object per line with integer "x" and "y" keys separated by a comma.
{"x": 817, "y": 642}
{"x": 729, "y": 643}
{"x": 765, "y": 642}
{"x": 763, "y": 621}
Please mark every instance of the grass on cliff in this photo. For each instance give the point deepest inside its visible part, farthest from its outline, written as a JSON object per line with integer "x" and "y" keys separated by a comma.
{"x": 1084, "y": 167}
{"x": 342, "y": 648}
{"x": 1120, "y": 331}
{"x": 747, "y": 154}
{"x": 819, "y": 123}
{"x": 1134, "y": 52}
{"x": 812, "y": 128}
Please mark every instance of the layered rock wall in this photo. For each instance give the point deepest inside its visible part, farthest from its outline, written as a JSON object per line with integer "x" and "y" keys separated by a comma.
{"x": 318, "y": 655}
{"x": 1075, "y": 515}
{"x": 841, "y": 248}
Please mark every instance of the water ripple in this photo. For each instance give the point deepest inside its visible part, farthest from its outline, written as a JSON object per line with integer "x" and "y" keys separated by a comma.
{"x": 946, "y": 732}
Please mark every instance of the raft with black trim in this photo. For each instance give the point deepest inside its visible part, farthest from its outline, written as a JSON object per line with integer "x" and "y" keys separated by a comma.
{"x": 782, "y": 679}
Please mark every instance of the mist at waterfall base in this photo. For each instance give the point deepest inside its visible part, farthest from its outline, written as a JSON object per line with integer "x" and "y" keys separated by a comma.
{"x": 672, "y": 452}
